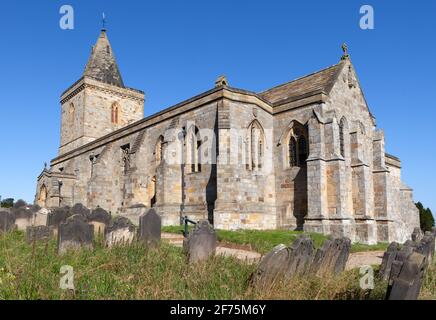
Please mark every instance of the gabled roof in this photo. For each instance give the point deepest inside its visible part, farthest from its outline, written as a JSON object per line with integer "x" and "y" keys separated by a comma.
{"x": 321, "y": 81}
{"x": 102, "y": 65}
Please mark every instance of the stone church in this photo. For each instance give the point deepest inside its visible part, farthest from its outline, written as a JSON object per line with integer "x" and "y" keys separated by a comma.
{"x": 304, "y": 155}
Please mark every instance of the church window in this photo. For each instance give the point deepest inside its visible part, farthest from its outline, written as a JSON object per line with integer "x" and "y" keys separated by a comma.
{"x": 115, "y": 113}
{"x": 194, "y": 150}
{"x": 126, "y": 157}
{"x": 292, "y": 152}
{"x": 71, "y": 114}
{"x": 159, "y": 149}
{"x": 256, "y": 146}
{"x": 342, "y": 137}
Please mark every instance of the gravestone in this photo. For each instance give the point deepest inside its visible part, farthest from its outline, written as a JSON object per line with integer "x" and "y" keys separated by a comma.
{"x": 406, "y": 284}
{"x": 75, "y": 233}
{"x": 7, "y": 221}
{"x": 38, "y": 233}
{"x": 388, "y": 258}
{"x": 301, "y": 255}
{"x": 120, "y": 231}
{"x": 272, "y": 267}
{"x": 58, "y": 216}
{"x": 201, "y": 243}
{"x": 80, "y": 209}
{"x": 99, "y": 218}
{"x": 332, "y": 257}
{"x": 23, "y": 216}
{"x": 417, "y": 235}
{"x": 150, "y": 226}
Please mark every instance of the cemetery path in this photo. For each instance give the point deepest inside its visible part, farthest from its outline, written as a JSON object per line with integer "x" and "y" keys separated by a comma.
{"x": 355, "y": 260}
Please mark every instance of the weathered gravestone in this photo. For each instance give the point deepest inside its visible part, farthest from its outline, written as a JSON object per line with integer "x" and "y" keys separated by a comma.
{"x": 24, "y": 216}
{"x": 58, "y": 216}
{"x": 120, "y": 231}
{"x": 406, "y": 278}
{"x": 150, "y": 225}
{"x": 7, "y": 221}
{"x": 201, "y": 243}
{"x": 272, "y": 267}
{"x": 99, "y": 218}
{"x": 38, "y": 233}
{"x": 426, "y": 246}
{"x": 75, "y": 233}
{"x": 332, "y": 257}
{"x": 80, "y": 209}
{"x": 301, "y": 255}
{"x": 388, "y": 258}
{"x": 417, "y": 235}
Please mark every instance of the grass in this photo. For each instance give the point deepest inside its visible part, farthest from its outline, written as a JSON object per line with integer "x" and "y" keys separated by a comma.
{"x": 265, "y": 240}
{"x": 32, "y": 271}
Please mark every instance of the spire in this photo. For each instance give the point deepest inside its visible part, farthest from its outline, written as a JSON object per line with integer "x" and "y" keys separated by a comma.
{"x": 102, "y": 65}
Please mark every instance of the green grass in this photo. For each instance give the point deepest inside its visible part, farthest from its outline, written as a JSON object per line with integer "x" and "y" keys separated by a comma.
{"x": 265, "y": 240}
{"x": 32, "y": 271}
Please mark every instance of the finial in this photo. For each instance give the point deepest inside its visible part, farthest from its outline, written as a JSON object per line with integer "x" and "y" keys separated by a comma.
{"x": 45, "y": 165}
{"x": 345, "y": 50}
{"x": 103, "y": 21}
{"x": 221, "y": 81}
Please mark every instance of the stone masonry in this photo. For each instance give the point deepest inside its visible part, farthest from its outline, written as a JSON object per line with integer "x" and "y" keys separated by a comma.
{"x": 304, "y": 155}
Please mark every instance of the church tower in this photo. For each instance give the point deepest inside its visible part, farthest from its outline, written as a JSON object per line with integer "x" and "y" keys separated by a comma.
{"x": 98, "y": 103}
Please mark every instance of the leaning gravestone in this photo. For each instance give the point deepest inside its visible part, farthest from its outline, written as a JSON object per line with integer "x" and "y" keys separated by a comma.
{"x": 417, "y": 235}
{"x": 7, "y": 221}
{"x": 388, "y": 258}
{"x": 272, "y": 266}
{"x": 38, "y": 233}
{"x": 99, "y": 218}
{"x": 332, "y": 257}
{"x": 121, "y": 231}
{"x": 201, "y": 243}
{"x": 150, "y": 226}
{"x": 75, "y": 233}
{"x": 301, "y": 255}
{"x": 80, "y": 209}
{"x": 406, "y": 284}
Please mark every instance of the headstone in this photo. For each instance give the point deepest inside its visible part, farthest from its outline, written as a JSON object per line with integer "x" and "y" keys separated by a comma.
{"x": 426, "y": 246}
{"x": 75, "y": 233}
{"x": 201, "y": 243}
{"x": 121, "y": 231}
{"x": 80, "y": 209}
{"x": 99, "y": 218}
{"x": 417, "y": 235}
{"x": 38, "y": 233}
{"x": 40, "y": 217}
{"x": 388, "y": 258}
{"x": 7, "y": 221}
{"x": 58, "y": 216}
{"x": 332, "y": 257}
{"x": 301, "y": 255}
{"x": 272, "y": 267}
{"x": 23, "y": 217}
{"x": 150, "y": 227}
{"x": 407, "y": 284}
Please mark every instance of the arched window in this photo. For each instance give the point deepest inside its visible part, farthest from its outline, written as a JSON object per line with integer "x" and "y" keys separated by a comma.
{"x": 292, "y": 152}
{"x": 341, "y": 136}
{"x": 159, "y": 149}
{"x": 256, "y": 146}
{"x": 42, "y": 198}
{"x": 194, "y": 149}
{"x": 302, "y": 150}
{"x": 115, "y": 113}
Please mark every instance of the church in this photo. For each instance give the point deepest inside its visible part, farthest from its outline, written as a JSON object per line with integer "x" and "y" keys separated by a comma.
{"x": 304, "y": 155}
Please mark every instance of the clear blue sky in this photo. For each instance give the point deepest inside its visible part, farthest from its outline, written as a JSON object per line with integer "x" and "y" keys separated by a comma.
{"x": 175, "y": 49}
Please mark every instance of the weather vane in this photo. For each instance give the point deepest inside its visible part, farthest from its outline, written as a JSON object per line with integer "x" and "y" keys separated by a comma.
{"x": 103, "y": 21}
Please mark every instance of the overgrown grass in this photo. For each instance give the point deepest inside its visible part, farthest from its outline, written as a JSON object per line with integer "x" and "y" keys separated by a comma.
{"x": 264, "y": 240}
{"x": 32, "y": 271}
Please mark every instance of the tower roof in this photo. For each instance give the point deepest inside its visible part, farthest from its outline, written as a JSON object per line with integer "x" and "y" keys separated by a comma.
{"x": 102, "y": 65}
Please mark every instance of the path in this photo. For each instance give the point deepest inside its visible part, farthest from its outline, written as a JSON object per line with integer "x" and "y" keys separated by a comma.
{"x": 355, "y": 260}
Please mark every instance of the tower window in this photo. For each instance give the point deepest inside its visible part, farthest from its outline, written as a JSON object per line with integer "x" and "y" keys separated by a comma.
{"x": 115, "y": 113}
{"x": 292, "y": 152}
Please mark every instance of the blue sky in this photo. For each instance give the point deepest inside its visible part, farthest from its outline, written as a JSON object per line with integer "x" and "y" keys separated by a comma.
{"x": 176, "y": 49}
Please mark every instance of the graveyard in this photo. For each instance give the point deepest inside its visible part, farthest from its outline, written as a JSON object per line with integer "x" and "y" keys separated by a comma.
{"x": 114, "y": 259}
